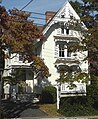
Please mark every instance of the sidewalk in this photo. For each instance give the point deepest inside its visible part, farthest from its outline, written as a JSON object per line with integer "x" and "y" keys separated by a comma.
{"x": 80, "y": 117}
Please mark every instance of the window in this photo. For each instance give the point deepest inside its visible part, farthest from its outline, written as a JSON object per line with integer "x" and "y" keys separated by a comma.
{"x": 61, "y": 50}
{"x": 62, "y": 28}
{"x": 67, "y": 31}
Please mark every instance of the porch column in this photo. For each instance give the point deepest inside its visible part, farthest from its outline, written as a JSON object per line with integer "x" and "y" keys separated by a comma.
{"x": 58, "y": 96}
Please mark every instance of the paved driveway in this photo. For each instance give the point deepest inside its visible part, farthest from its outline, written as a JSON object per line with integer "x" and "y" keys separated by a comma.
{"x": 25, "y": 109}
{"x": 33, "y": 111}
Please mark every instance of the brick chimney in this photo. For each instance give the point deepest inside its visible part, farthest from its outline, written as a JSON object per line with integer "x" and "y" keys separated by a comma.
{"x": 49, "y": 15}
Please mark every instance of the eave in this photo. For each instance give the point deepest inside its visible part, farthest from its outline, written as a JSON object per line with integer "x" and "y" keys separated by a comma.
{"x": 66, "y": 37}
{"x": 18, "y": 66}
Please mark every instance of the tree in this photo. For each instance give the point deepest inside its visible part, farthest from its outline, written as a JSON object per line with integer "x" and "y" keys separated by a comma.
{"x": 19, "y": 34}
{"x": 88, "y": 12}
{"x": 89, "y": 15}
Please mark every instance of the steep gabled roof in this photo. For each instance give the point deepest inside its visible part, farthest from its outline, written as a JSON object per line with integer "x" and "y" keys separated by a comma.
{"x": 67, "y": 10}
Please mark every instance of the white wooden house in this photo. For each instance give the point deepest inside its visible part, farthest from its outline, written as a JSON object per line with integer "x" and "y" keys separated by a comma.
{"x": 55, "y": 53}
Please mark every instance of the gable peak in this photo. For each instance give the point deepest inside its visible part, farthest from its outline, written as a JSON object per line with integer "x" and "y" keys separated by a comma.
{"x": 68, "y": 11}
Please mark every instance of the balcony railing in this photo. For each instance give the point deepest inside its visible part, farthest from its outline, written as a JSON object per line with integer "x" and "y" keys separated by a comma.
{"x": 67, "y": 60}
{"x": 81, "y": 88}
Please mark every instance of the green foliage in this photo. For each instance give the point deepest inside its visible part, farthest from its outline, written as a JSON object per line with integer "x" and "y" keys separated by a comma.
{"x": 48, "y": 95}
{"x": 92, "y": 92}
{"x": 2, "y": 62}
{"x": 77, "y": 106}
{"x": 88, "y": 11}
{"x": 70, "y": 78}
{"x": 17, "y": 76}
{"x": 19, "y": 35}
{"x": 89, "y": 15}
{"x": 76, "y": 5}
{"x": 81, "y": 105}
{"x": 20, "y": 88}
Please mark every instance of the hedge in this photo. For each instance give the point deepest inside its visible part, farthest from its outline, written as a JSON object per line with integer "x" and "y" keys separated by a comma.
{"x": 48, "y": 95}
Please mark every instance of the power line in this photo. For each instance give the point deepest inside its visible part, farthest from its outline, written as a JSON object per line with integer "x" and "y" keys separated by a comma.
{"x": 39, "y": 24}
{"x": 27, "y": 5}
{"x": 43, "y": 14}
{"x": 36, "y": 13}
{"x": 37, "y": 18}
{"x": 42, "y": 18}
{"x": 45, "y": 19}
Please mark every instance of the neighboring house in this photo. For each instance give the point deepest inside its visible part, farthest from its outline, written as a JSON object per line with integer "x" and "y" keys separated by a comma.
{"x": 15, "y": 63}
{"x": 16, "y": 67}
{"x": 60, "y": 34}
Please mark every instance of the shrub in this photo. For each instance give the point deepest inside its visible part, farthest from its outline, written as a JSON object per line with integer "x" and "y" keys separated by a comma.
{"x": 92, "y": 91}
{"x": 76, "y": 106}
{"x": 48, "y": 95}
{"x": 81, "y": 105}
{"x": 92, "y": 95}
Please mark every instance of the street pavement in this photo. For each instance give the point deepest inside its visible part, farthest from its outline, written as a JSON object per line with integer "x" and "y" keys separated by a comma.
{"x": 91, "y": 117}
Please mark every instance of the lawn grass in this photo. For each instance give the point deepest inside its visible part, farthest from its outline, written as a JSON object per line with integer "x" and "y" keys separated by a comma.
{"x": 50, "y": 109}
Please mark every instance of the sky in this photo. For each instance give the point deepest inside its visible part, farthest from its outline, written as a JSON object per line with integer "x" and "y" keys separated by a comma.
{"x": 36, "y": 6}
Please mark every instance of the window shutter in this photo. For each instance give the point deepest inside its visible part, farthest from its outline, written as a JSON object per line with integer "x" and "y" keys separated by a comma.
{"x": 56, "y": 50}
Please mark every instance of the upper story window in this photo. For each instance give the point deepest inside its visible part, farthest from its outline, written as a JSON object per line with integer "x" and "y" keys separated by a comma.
{"x": 67, "y": 30}
{"x": 62, "y": 28}
{"x": 61, "y": 50}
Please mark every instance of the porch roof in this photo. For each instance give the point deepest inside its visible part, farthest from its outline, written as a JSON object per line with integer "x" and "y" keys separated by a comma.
{"x": 21, "y": 67}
